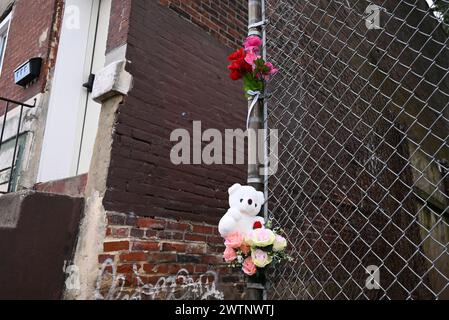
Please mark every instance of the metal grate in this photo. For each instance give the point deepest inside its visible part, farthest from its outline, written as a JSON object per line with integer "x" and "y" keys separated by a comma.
{"x": 362, "y": 108}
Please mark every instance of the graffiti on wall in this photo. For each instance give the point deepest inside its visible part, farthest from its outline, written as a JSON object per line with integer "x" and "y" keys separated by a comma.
{"x": 182, "y": 286}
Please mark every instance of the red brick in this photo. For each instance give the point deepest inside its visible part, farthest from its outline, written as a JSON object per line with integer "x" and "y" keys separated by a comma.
{"x": 23, "y": 44}
{"x": 211, "y": 259}
{"x": 196, "y": 248}
{"x": 133, "y": 256}
{"x": 162, "y": 257}
{"x": 178, "y": 226}
{"x": 215, "y": 239}
{"x": 150, "y": 223}
{"x": 195, "y": 237}
{"x": 172, "y": 246}
{"x": 137, "y": 233}
{"x": 103, "y": 257}
{"x": 115, "y": 246}
{"x": 175, "y": 268}
{"x": 159, "y": 268}
{"x": 120, "y": 232}
{"x": 151, "y": 234}
{"x": 200, "y": 268}
{"x": 146, "y": 246}
{"x": 208, "y": 230}
{"x": 171, "y": 235}
{"x": 127, "y": 268}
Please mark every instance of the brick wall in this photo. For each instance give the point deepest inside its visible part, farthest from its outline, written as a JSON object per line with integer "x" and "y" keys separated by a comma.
{"x": 180, "y": 76}
{"x": 226, "y": 20}
{"x": 160, "y": 248}
{"x": 28, "y": 40}
{"x": 119, "y": 23}
{"x": 162, "y": 218}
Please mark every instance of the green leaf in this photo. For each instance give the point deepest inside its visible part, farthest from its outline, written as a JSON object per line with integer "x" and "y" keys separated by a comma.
{"x": 252, "y": 83}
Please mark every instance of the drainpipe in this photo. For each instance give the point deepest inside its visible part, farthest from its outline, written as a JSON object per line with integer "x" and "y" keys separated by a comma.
{"x": 255, "y": 289}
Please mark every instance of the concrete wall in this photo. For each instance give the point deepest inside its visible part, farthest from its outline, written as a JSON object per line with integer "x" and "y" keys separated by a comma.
{"x": 37, "y": 238}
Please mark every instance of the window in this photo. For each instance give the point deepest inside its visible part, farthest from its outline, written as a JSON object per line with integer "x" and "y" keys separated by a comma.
{"x": 4, "y": 27}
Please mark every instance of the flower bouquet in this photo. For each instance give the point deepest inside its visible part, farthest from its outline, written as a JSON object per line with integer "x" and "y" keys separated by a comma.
{"x": 248, "y": 64}
{"x": 256, "y": 250}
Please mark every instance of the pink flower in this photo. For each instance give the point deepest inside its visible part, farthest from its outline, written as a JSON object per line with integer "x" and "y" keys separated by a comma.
{"x": 251, "y": 56}
{"x": 253, "y": 43}
{"x": 260, "y": 237}
{"x": 260, "y": 258}
{"x": 234, "y": 240}
{"x": 245, "y": 248}
{"x": 249, "y": 267}
{"x": 273, "y": 70}
{"x": 229, "y": 254}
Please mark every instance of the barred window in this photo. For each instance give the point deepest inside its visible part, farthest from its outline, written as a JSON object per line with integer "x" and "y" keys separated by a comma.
{"x": 4, "y": 28}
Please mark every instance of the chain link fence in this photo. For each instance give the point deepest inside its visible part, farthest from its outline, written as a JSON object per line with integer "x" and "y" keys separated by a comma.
{"x": 362, "y": 108}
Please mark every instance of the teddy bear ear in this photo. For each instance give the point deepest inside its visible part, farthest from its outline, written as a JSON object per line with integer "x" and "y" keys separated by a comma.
{"x": 234, "y": 188}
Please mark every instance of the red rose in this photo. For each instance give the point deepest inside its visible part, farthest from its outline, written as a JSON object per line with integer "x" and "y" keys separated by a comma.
{"x": 257, "y": 225}
{"x": 235, "y": 75}
{"x": 238, "y": 66}
{"x": 237, "y": 55}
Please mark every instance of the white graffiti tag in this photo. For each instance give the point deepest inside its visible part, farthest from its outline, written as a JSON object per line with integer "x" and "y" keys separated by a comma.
{"x": 181, "y": 286}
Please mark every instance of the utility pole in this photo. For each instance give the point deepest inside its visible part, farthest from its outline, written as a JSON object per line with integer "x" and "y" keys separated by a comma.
{"x": 255, "y": 287}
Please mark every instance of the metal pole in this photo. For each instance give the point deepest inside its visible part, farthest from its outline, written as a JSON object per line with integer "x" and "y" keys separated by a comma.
{"x": 255, "y": 287}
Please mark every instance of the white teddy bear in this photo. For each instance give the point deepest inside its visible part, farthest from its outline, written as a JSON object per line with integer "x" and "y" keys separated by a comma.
{"x": 245, "y": 204}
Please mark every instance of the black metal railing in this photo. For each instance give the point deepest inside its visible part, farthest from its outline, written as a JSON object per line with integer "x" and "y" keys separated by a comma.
{"x": 9, "y": 105}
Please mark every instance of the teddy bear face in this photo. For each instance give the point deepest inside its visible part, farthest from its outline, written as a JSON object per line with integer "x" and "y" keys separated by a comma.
{"x": 246, "y": 199}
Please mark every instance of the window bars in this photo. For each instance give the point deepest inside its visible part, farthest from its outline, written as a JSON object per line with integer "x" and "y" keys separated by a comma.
{"x": 10, "y": 149}
{"x": 361, "y": 103}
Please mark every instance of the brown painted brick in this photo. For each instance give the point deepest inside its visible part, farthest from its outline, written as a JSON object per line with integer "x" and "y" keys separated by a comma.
{"x": 116, "y": 219}
{"x": 209, "y": 15}
{"x": 142, "y": 178}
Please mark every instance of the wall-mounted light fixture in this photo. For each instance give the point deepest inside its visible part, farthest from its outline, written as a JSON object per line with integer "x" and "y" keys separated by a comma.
{"x": 27, "y": 72}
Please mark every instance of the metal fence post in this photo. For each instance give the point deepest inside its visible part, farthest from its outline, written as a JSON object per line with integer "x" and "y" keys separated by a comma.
{"x": 255, "y": 287}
